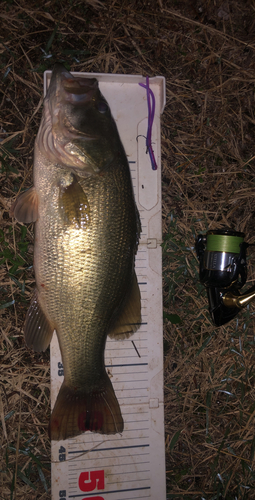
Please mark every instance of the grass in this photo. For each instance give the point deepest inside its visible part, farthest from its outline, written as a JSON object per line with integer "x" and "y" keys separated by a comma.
{"x": 206, "y": 52}
{"x": 209, "y": 383}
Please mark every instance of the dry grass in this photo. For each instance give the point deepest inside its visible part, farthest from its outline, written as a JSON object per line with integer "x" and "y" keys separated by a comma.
{"x": 206, "y": 51}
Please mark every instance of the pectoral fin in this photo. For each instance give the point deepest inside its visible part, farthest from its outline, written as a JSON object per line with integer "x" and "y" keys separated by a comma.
{"x": 129, "y": 319}
{"x": 25, "y": 207}
{"x": 38, "y": 329}
{"x": 74, "y": 205}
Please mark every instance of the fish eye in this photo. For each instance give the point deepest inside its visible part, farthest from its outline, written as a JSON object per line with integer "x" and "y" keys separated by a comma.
{"x": 102, "y": 107}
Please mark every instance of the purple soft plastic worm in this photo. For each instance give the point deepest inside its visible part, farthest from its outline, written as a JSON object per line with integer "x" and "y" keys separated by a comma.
{"x": 151, "y": 113}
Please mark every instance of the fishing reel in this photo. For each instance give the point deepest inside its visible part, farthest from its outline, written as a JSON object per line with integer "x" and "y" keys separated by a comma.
{"x": 223, "y": 271}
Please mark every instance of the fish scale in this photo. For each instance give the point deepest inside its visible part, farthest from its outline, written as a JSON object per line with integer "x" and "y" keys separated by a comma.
{"x": 63, "y": 261}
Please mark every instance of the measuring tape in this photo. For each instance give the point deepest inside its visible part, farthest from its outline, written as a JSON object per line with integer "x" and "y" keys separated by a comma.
{"x": 131, "y": 465}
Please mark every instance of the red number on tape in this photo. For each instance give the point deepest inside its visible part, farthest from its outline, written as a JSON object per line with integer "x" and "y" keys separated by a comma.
{"x": 92, "y": 480}
{"x": 93, "y": 498}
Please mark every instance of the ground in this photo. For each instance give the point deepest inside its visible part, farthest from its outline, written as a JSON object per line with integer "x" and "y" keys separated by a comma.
{"x": 205, "y": 50}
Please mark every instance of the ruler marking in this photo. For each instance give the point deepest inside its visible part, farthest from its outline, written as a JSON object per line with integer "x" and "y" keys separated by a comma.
{"x": 126, "y": 373}
{"x": 106, "y": 492}
{"x": 144, "y": 356}
{"x": 135, "y": 498}
{"x": 110, "y": 461}
{"x": 82, "y": 459}
{"x": 136, "y": 422}
{"x": 74, "y": 470}
{"x": 81, "y": 452}
{"x": 133, "y": 389}
{"x": 145, "y": 348}
{"x": 136, "y": 412}
{"x": 118, "y": 374}
{"x": 94, "y": 442}
{"x": 128, "y": 390}
{"x": 130, "y": 364}
{"x": 139, "y": 429}
{"x": 127, "y": 348}
{"x": 128, "y": 472}
{"x": 131, "y": 400}
{"x": 128, "y": 481}
{"x": 115, "y": 448}
{"x": 127, "y": 380}
{"x": 120, "y": 474}
{"x": 120, "y": 357}
{"x": 126, "y": 341}
{"x": 136, "y": 336}
{"x": 121, "y": 376}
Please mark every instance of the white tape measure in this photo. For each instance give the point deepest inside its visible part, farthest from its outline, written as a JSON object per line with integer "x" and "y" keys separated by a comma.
{"x": 131, "y": 465}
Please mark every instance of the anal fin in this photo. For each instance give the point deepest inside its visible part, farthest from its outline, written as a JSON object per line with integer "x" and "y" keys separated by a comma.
{"x": 38, "y": 329}
{"x": 25, "y": 207}
{"x": 129, "y": 318}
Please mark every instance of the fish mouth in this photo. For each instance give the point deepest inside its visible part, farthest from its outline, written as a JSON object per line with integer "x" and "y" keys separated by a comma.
{"x": 58, "y": 138}
{"x": 74, "y": 90}
{"x": 81, "y": 86}
{"x": 65, "y": 86}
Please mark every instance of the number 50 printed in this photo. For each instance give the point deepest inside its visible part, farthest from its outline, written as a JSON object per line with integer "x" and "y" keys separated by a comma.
{"x": 91, "y": 481}
{"x": 88, "y": 481}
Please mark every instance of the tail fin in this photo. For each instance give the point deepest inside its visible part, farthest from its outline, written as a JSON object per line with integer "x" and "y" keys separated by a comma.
{"x": 76, "y": 412}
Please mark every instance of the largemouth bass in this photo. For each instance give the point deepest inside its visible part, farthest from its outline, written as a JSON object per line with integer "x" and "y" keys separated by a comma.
{"x": 86, "y": 237}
